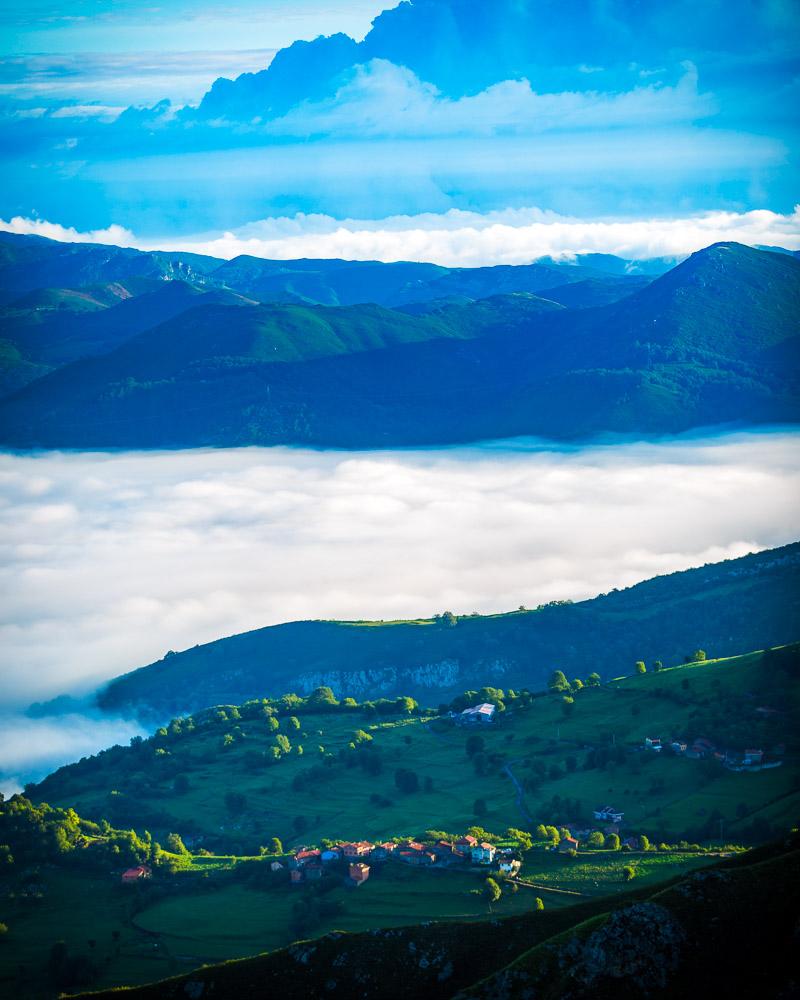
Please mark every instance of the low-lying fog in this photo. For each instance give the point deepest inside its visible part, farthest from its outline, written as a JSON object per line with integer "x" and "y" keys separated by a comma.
{"x": 109, "y": 560}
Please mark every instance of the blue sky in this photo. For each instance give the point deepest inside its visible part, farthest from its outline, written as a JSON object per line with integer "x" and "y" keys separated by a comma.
{"x": 591, "y": 110}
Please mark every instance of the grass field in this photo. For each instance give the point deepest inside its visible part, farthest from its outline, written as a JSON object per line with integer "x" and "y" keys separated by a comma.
{"x": 202, "y": 924}
{"x": 656, "y": 794}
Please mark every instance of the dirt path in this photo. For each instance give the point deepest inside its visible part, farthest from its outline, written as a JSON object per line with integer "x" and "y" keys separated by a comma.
{"x": 522, "y": 808}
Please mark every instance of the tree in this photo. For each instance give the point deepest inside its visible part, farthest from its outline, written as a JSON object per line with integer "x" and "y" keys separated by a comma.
{"x": 275, "y": 846}
{"x": 628, "y": 873}
{"x": 593, "y": 680}
{"x": 541, "y": 832}
{"x": 235, "y": 802}
{"x": 612, "y": 842}
{"x": 282, "y": 742}
{"x": 181, "y": 784}
{"x": 698, "y": 656}
{"x": 524, "y": 839}
{"x": 480, "y": 808}
{"x": 272, "y": 724}
{"x": 294, "y": 722}
{"x": 475, "y": 744}
{"x": 658, "y": 665}
{"x": 577, "y": 684}
{"x": 640, "y": 667}
{"x": 175, "y": 844}
{"x": 321, "y": 697}
{"x": 596, "y": 839}
{"x": 644, "y": 842}
{"x": 492, "y": 890}
{"x": 538, "y": 903}
{"x": 449, "y": 619}
{"x": 406, "y": 780}
{"x": 558, "y": 681}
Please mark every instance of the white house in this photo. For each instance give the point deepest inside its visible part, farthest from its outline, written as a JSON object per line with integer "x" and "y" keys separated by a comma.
{"x": 478, "y": 715}
{"x": 608, "y": 815}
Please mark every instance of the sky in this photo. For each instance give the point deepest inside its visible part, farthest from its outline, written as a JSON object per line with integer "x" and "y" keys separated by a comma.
{"x": 183, "y": 123}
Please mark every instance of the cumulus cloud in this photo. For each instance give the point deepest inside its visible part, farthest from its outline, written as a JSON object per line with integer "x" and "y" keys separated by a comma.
{"x": 113, "y": 235}
{"x": 382, "y": 99}
{"x": 108, "y": 560}
{"x": 469, "y": 239}
{"x": 457, "y": 238}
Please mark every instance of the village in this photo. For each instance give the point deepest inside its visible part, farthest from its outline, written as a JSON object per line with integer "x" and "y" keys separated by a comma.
{"x": 752, "y": 759}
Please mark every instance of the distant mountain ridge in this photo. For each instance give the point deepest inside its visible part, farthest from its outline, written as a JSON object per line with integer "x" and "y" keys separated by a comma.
{"x": 715, "y": 340}
{"x": 751, "y": 602}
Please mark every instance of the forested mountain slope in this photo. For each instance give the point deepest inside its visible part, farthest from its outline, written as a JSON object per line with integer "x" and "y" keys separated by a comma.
{"x": 747, "y": 603}
{"x": 713, "y": 341}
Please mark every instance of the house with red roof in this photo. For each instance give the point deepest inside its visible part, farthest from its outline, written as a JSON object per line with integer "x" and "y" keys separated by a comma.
{"x": 137, "y": 874}
{"x": 358, "y": 849}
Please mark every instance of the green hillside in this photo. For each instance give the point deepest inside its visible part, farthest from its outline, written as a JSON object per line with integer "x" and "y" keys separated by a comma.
{"x": 229, "y": 780}
{"x": 747, "y": 603}
{"x": 543, "y": 762}
{"x": 642, "y": 944}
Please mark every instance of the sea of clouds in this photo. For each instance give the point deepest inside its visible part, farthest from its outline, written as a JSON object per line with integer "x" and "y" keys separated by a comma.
{"x": 109, "y": 560}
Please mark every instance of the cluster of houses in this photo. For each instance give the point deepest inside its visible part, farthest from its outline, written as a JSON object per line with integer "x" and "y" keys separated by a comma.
{"x": 309, "y": 863}
{"x": 702, "y": 749}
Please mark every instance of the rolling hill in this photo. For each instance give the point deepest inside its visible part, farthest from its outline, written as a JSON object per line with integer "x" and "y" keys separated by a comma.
{"x": 539, "y": 763}
{"x": 747, "y": 603}
{"x": 714, "y": 340}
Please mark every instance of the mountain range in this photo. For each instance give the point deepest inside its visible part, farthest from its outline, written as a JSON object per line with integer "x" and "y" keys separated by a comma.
{"x": 751, "y": 602}
{"x": 127, "y": 349}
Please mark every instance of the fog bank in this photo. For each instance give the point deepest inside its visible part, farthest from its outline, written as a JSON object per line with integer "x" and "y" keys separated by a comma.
{"x": 109, "y": 560}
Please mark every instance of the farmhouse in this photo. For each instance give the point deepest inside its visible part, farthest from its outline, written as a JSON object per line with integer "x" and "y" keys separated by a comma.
{"x": 359, "y": 872}
{"x": 276, "y": 866}
{"x": 306, "y": 855}
{"x": 483, "y": 854}
{"x": 330, "y": 855}
{"x": 478, "y": 715}
{"x": 509, "y": 866}
{"x": 359, "y": 849}
{"x": 568, "y": 844}
{"x": 137, "y": 874}
{"x": 608, "y": 814}
{"x": 753, "y": 758}
{"x": 702, "y": 748}
{"x": 416, "y": 854}
{"x": 653, "y": 743}
{"x": 466, "y": 843}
